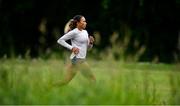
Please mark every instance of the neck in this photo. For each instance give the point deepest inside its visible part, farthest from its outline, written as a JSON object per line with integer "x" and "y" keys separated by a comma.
{"x": 80, "y": 28}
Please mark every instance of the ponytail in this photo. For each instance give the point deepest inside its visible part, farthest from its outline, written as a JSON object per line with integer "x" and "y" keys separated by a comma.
{"x": 72, "y": 23}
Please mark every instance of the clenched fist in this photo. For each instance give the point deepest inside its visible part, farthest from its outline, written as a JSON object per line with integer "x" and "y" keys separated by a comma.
{"x": 75, "y": 50}
{"x": 91, "y": 39}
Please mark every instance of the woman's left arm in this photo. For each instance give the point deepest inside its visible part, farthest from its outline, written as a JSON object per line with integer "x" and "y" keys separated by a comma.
{"x": 90, "y": 42}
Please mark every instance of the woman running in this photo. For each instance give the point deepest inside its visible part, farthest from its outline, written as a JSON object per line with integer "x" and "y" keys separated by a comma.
{"x": 80, "y": 42}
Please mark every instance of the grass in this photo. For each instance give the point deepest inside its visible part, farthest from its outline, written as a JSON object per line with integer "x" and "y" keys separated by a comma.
{"x": 26, "y": 82}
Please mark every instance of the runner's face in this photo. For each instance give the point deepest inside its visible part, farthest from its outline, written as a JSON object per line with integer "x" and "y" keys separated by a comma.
{"x": 82, "y": 23}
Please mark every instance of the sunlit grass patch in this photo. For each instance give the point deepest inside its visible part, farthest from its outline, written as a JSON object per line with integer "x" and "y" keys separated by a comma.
{"x": 27, "y": 82}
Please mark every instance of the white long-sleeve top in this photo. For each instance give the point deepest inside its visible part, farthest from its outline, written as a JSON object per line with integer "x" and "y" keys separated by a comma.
{"x": 78, "y": 39}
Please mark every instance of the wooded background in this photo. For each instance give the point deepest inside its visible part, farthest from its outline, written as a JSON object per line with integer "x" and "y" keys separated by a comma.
{"x": 34, "y": 26}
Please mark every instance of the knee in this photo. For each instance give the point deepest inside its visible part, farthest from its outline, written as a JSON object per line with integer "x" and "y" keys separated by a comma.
{"x": 61, "y": 83}
{"x": 65, "y": 82}
{"x": 93, "y": 79}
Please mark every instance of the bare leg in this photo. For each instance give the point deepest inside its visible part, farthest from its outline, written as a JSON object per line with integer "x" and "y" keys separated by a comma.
{"x": 86, "y": 72}
{"x": 70, "y": 73}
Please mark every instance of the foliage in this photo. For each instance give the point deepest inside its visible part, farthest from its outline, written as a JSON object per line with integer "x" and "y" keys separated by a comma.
{"x": 35, "y": 25}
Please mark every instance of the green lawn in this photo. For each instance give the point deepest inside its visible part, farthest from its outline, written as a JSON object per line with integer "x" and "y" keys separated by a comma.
{"x": 26, "y": 82}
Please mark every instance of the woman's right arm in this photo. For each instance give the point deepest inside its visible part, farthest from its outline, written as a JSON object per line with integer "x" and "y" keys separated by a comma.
{"x": 64, "y": 38}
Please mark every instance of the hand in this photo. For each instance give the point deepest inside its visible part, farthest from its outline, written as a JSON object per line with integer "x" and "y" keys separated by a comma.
{"x": 75, "y": 50}
{"x": 91, "y": 39}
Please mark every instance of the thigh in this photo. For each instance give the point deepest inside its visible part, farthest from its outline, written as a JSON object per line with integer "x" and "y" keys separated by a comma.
{"x": 70, "y": 71}
{"x": 85, "y": 69}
